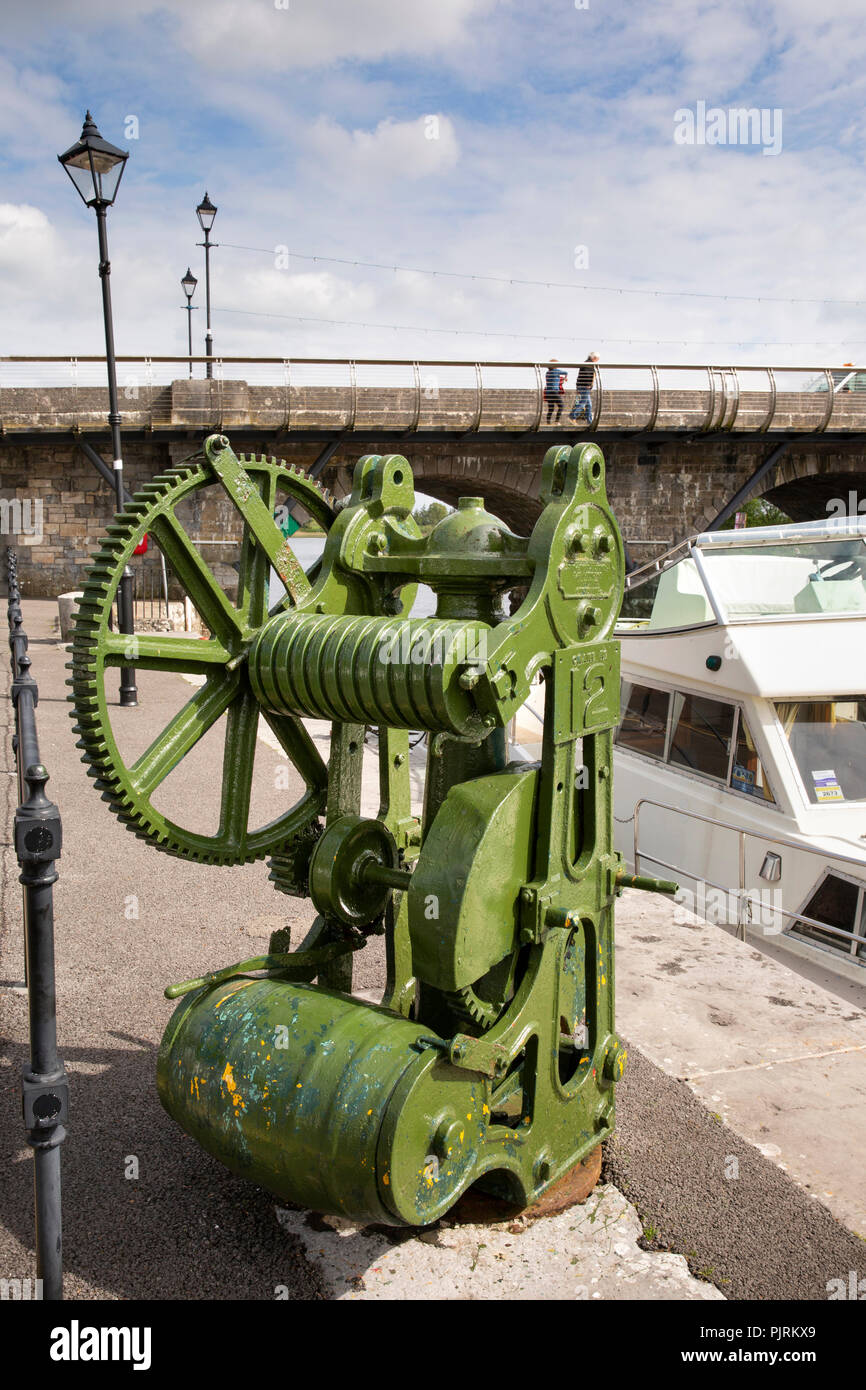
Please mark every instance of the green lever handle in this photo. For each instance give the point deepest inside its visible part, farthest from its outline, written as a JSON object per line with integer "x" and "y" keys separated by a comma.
{"x": 317, "y": 956}
{"x": 649, "y": 885}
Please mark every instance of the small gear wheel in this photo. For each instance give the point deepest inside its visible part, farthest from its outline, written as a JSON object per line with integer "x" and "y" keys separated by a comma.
{"x": 482, "y": 1004}
{"x": 290, "y": 869}
{"x": 467, "y": 1004}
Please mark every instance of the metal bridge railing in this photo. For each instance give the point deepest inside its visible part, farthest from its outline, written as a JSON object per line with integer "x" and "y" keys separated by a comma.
{"x": 37, "y": 847}
{"x": 349, "y": 394}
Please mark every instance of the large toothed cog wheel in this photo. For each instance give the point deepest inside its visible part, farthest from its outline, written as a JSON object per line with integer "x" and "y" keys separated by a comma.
{"x": 97, "y": 652}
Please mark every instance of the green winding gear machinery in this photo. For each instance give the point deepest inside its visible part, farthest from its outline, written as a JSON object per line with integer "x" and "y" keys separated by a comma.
{"x": 492, "y": 1058}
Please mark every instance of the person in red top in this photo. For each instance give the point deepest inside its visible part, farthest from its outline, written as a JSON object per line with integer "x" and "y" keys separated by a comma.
{"x": 554, "y": 388}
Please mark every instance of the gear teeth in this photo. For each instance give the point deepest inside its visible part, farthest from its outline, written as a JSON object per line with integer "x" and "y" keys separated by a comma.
{"x": 290, "y": 865}
{"x": 97, "y": 750}
{"x": 466, "y": 1004}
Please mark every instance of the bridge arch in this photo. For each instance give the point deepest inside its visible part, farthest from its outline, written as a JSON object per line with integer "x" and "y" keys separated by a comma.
{"x": 516, "y": 506}
{"x": 510, "y": 489}
{"x": 806, "y": 483}
{"x": 811, "y": 488}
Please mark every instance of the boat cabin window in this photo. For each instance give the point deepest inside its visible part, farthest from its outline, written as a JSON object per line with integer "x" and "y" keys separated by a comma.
{"x": 828, "y": 741}
{"x": 839, "y": 903}
{"x": 644, "y": 719}
{"x": 702, "y": 732}
{"x": 747, "y": 772}
{"x": 693, "y": 732}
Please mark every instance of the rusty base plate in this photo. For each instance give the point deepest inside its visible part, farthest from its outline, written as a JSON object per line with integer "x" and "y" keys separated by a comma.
{"x": 477, "y": 1208}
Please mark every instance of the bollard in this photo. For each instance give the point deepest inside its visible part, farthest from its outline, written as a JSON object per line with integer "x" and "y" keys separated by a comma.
{"x": 38, "y": 840}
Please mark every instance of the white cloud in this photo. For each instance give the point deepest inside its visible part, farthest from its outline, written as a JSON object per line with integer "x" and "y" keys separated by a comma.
{"x": 394, "y": 150}
{"x": 308, "y": 32}
{"x": 231, "y": 35}
{"x": 32, "y": 109}
{"x": 28, "y": 248}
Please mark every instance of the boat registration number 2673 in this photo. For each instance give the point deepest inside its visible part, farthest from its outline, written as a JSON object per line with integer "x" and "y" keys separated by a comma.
{"x": 826, "y": 785}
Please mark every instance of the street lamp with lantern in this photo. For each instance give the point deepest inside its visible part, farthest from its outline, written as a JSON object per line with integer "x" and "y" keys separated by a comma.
{"x": 189, "y": 283}
{"x": 96, "y": 168}
{"x": 206, "y": 212}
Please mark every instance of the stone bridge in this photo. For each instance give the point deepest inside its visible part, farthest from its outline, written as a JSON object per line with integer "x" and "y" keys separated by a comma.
{"x": 680, "y": 442}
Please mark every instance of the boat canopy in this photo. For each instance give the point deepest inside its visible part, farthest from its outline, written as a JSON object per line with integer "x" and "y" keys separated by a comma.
{"x": 792, "y": 571}
{"x": 833, "y": 528}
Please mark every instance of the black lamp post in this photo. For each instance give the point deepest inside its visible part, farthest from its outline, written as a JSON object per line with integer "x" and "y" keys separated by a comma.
{"x": 206, "y": 212}
{"x": 189, "y": 283}
{"x": 96, "y": 168}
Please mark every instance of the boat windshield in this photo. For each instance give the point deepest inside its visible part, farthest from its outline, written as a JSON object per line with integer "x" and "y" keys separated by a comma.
{"x": 828, "y": 741}
{"x": 787, "y": 579}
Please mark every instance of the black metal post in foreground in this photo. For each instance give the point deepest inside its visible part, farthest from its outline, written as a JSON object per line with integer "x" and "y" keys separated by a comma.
{"x": 38, "y": 838}
{"x": 96, "y": 168}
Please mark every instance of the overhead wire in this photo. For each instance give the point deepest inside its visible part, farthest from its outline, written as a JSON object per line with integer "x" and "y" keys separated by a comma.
{"x": 545, "y": 284}
{"x": 546, "y": 337}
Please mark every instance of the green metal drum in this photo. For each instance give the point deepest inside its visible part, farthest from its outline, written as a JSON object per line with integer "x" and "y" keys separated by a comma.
{"x": 324, "y": 1100}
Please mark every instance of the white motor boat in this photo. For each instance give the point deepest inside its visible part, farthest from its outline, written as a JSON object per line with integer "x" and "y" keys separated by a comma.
{"x": 740, "y": 760}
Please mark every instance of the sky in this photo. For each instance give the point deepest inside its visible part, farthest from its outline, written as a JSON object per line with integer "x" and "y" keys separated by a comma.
{"x": 559, "y": 144}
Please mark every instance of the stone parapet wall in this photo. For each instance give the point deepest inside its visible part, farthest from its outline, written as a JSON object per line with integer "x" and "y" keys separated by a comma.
{"x": 660, "y": 490}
